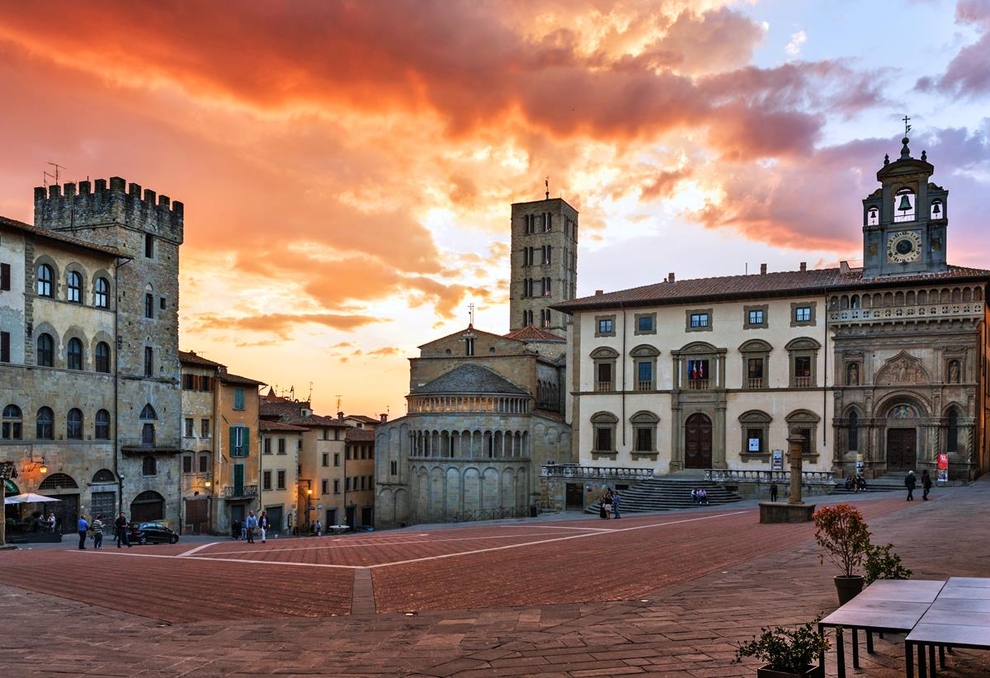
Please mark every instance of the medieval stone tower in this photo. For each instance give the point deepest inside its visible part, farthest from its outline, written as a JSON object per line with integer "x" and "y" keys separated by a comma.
{"x": 544, "y": 263}
{"x": 147, "y": 230}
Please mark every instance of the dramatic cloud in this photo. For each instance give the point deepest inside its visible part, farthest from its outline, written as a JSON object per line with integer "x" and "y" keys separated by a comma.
{"x": 347, "y": 168}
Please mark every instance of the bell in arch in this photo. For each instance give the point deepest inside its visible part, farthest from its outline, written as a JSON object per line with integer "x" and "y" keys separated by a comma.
{"x": 937, "y": 209}
{"x": 905, "y": 203}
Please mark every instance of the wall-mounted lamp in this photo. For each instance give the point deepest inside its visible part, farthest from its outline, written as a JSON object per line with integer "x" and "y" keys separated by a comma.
{"x": 208, "y": 484}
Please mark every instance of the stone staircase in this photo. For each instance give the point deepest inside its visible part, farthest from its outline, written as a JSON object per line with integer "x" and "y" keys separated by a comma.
{"x": 669, "y": 492}
{"x": 890, "y": 482}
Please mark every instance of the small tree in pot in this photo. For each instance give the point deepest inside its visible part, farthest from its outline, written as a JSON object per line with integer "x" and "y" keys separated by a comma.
{"x": 787, "y": 653}
{"x": 842, "y": 534}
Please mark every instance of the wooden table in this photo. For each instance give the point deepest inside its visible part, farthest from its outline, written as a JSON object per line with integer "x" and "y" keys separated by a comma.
{"x": 959, "y": 617}
{"x": 885, "y": 606}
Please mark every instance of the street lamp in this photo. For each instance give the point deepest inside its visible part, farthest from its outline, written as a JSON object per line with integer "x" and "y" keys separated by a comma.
{"x": 309, "y": 505}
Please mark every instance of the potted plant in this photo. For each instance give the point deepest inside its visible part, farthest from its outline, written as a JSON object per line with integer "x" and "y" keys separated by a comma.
{"x": 882, "y": 563}
{"x": 787, "y": 653}
{"x": 842, "y": 534}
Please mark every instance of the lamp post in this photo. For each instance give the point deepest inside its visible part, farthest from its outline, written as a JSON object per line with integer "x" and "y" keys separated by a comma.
{"x": 309, "y": 505}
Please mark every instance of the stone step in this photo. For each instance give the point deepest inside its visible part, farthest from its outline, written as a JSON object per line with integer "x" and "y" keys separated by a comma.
{"x": 666, "y": 493}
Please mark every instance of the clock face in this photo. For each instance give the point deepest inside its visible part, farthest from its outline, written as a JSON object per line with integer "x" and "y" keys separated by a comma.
{"x": 904, "y": 247}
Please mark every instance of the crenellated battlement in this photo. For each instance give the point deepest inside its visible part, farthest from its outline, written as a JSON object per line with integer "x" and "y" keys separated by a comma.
{"x": 100, "y": 203}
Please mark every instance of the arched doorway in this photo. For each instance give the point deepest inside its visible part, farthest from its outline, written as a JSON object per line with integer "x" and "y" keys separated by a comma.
{"x": 698, "y": 442}
{"x": 147, "y": 506}
{"x": 902, "y": 438}
{"x": 66, "y": 510}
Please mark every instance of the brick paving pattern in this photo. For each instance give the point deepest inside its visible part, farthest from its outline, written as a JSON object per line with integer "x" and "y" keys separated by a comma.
{"x": 665, "y": 595}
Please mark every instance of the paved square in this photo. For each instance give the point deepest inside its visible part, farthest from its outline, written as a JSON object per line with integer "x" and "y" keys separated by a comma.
{"x": 660, "y": 594}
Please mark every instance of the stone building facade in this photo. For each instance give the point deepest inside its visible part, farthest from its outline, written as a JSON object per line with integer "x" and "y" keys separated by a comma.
{"x": 92, "y": 320}
{"x": 880, "y": 369}
{"x": 485, "y": 412}
{"x": 543, "y": 269}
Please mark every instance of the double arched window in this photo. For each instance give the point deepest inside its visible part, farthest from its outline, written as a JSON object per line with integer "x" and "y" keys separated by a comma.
{"x": 46, "y": 277}
{"x": 73, "y": 287}
{"x": 74, "y": 354}
{"x": 74, "y": 424}
{"x": 46, "y": 350}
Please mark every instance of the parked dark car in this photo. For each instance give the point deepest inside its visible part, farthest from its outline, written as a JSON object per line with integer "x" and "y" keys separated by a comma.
{"x": 152, "y": 533}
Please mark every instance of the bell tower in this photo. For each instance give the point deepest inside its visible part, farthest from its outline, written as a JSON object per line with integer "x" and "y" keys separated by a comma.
{"x": 904, "y": 221}
{"x": 544, "y": 263}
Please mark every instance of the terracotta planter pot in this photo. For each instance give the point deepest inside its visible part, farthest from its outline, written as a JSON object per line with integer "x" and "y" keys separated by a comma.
{"x": 813, "y": 672}
{"x": 848, "y": 587}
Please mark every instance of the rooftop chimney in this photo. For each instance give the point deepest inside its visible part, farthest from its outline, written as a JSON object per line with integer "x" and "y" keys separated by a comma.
{"x": 763, "y": 269}
{"x": 670, "y": 277}
{"x": 804, "y": 266}
{"x": 599, "y": 293}
{"x": 383, "y": 417}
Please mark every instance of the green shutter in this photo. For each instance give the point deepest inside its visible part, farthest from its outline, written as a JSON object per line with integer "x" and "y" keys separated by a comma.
{"x": 233, "y": 441}
{"x": 247, "y": 440}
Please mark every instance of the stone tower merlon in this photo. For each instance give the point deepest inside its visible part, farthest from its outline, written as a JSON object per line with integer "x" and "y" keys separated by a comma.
{"x": 62, "y": 208}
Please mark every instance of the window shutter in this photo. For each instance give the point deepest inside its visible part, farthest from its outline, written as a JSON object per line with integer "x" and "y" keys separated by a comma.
{"x": 246, "y": 437}
{"x": 233, "y": 441}
{"x": 4, "y": 277}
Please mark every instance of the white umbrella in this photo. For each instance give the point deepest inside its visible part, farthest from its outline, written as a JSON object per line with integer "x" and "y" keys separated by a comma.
{"x": 28, "y": 498}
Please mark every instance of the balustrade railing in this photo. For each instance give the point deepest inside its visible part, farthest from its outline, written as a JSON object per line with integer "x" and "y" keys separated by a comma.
{"x": 595, "y": 472}
{"x": 746, "y": 476}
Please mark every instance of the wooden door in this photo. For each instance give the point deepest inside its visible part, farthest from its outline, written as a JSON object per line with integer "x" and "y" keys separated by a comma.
{"x": 901, "y": 449}
{"x": 698, "y": 442}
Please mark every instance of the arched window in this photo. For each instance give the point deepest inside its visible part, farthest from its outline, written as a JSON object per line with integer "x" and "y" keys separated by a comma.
{"x": 853, "y": 432}
{"x": 74, "y": 424}
{"x": 952, "y": 432}
{"x": 45, "y": 278}
{"x": 104, "y": 476}
{"x": 12, "y": 423}
{"x": 103, "y": 357}
{"x": 101, "y": 293}
{"x": 58, "y": 481}
{"x": 46, "y": 350}
{"x": 73, "y": 287}
{"x": 45, "y": 424}
{"x": 74, "y": 354}
{"x": 148, "y": 429}
{"x": 102, "y": 425}
{"x": 149, "y": 301}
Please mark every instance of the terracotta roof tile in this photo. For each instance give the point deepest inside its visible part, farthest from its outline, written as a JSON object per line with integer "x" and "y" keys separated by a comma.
{"x": 58, "y": 236}
{"x": 789, "y": 283}
{"x": 534, "y": 334}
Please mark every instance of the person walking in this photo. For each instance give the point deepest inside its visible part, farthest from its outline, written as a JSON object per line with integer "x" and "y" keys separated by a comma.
{"x": 926, "y": 484}
{"x": 607, "y": 504}
{"x": 615, "y": 505}
{"x": 263, "y": 525}
{"x": 910, "y": 482}
{"x": 83, "y": 528}
{"x": 120, "y": 530}
{"x": 773, "y": 491}
{"x": 251, "y": 524}
{"x": 97, "y": 528}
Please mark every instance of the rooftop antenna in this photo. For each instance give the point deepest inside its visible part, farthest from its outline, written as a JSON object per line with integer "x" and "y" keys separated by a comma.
{"x": 47, "y": 176}
{"x": 546, "y": 183}
{"x": 292, "y": 392}
{"x": 57, "y": 168}
{"x": 309, "y": 398}
{"x": 338, "y": 401}
{"x": 471, "y": 314}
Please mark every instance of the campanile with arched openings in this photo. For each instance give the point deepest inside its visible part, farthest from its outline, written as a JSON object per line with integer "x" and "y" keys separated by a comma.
{"x": 905, "y": 220}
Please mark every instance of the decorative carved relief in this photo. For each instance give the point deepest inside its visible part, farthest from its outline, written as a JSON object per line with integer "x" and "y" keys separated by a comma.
{"x": 903, "y": 369}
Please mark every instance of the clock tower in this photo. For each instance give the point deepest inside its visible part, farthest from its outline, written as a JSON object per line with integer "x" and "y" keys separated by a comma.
{"x": 904, "y": 220}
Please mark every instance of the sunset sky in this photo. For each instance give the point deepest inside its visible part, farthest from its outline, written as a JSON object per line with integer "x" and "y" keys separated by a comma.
{"x": 347, "y": 168}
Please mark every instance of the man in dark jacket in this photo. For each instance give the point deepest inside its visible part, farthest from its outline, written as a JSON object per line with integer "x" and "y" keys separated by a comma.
{"x": 910, "y": 482}
{"x": 120, "y": 530}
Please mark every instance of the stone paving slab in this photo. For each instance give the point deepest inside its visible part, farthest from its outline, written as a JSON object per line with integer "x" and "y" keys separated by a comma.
{"x": 665, "y": 595}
